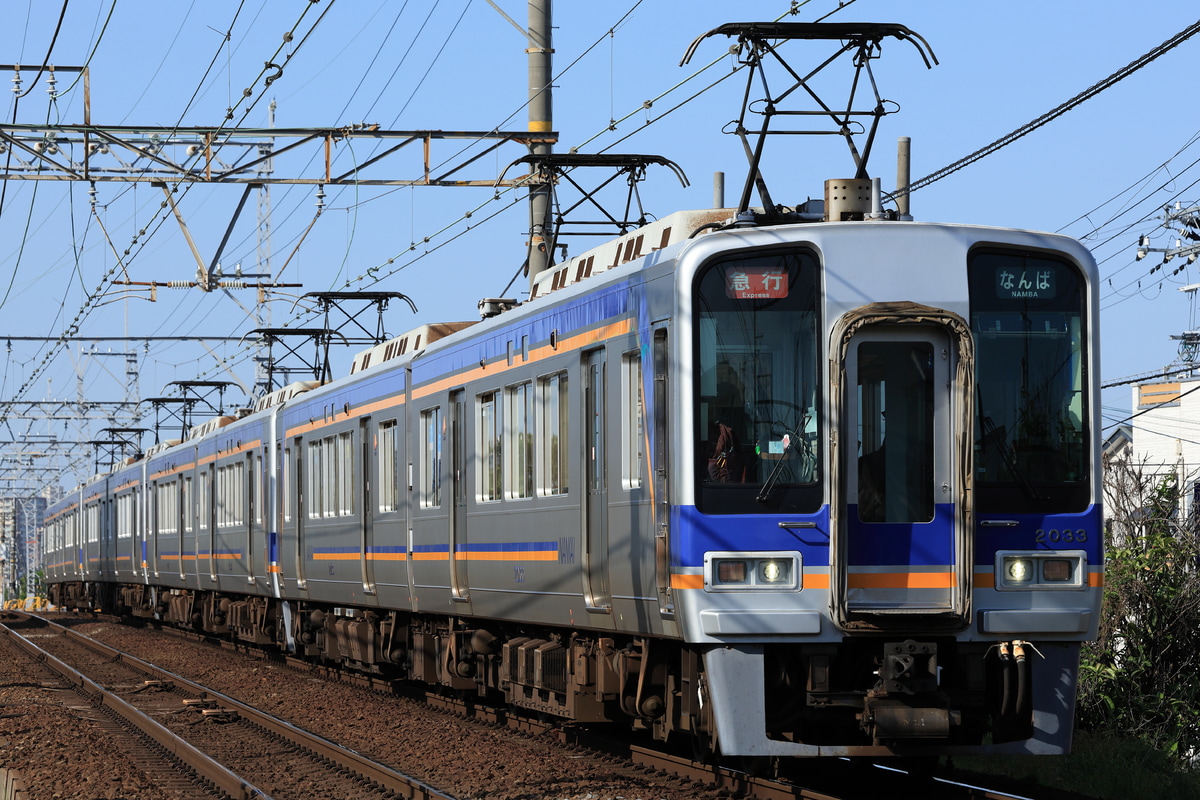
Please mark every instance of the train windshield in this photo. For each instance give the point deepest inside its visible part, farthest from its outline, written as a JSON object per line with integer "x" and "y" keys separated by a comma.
{"x": 1031, "y": 433}
{"x": 756, "y": 388}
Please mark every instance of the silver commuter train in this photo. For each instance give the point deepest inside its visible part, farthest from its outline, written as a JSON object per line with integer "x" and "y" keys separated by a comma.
{"x": 789, "y": 489}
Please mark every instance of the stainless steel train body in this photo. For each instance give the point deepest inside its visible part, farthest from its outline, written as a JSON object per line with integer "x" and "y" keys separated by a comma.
{"x": 789, "y": 490}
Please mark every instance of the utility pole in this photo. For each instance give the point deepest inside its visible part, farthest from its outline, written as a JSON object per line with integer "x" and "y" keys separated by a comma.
{"x": 262, "y": 310}
{"x": 1185, "y": 222}
{"x": 541, "y": 120}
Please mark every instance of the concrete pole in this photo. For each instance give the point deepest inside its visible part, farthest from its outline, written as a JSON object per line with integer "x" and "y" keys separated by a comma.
{"x": 903, "y": 176}
{"x": 541, "y": 120}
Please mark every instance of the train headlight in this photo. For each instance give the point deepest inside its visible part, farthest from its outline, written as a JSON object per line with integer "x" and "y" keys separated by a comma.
{"x": 1041, "y": 569}
{"x": 752, "y": 571}
{"x": 1018, "y": 570}
{"x": 775, "y": 570}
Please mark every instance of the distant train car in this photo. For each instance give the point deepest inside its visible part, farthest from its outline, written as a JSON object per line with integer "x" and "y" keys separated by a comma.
{"x": 790, "y": 489}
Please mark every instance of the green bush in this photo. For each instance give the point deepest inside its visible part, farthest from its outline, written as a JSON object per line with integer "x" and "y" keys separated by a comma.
{"x": 1138, "y": 679}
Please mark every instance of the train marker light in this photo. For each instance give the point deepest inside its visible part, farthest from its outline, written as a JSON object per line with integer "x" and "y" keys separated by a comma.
{"x": 731, "y": 571}
{"x": 1057, "y": 570}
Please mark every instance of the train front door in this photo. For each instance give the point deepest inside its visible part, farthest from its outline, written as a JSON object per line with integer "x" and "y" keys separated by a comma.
{"x": 903, "y": 546}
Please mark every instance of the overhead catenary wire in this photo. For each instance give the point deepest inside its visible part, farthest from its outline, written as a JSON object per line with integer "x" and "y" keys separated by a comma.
{"x": 90, "y": 300}
{"x": 467, "y": 217}
{"x": 1054, "y": 113}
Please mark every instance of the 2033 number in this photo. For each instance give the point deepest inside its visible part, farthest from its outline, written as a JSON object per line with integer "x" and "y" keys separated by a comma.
{"x": 1065, "y": 536}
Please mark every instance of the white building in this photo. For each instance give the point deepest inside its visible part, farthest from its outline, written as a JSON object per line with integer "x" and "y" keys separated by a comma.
{"x": 1166, "y": 434}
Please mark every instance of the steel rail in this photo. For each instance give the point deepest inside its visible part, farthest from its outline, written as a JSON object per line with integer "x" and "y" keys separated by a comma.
{"x": 397, "y": 782}
{"x": 201, "y": 764}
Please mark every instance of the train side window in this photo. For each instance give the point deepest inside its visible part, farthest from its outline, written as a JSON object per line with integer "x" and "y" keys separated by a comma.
{"x": 488, "y": 446}
{"x": 186, "y": 503}
{"x": 520, "y": 441}
{"x": 328, "y": 476}
{"x": 237, "y": 478}
{"x": 344, "y": 474}
{"x": 124, "y": 517}
{"x": 431, "y": 457}
{"x": 632, "y": 422}
{"x": 92, "y": 520}
{"x": 166, "y": 512}
{"x": 389, "y": 493}
{"x": 231, "y": 495}
{"x": 256, "y": 488}
{"x": 240, "y": 491}
{"x": 316, "y": 478}
{"x": 285, "y": 475}
{"x": 205, "y": 503}
{"x": 553, "y": 452}
{"x": 220, "y": 498}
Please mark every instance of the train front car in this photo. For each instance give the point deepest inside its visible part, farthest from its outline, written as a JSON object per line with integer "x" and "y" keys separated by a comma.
{"x": 885, "y": 528}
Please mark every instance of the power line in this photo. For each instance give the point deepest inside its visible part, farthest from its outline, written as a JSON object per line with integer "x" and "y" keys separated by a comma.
{"x": 1049, "y": 116}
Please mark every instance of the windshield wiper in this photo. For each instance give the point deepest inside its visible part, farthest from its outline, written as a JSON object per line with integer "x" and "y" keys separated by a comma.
{"x": 789, "y": 437}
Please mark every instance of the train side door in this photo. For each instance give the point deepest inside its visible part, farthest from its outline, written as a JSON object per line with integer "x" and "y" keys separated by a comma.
{"x": 903, "y": 551}
{"x": 250, "y": 508}
{"x": 595, "y": 475}
{"x": 457, "y": 464}
{"x": 299, "y": 477}
{"x": 180, "y": 488}
{"x": 365, "y": 481}
{"x": 208, "y": 476}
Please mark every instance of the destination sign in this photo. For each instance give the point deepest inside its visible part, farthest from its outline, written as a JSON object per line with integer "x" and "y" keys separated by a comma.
{"x": 1032, "y": 284}
{"x": 756, "y": 283}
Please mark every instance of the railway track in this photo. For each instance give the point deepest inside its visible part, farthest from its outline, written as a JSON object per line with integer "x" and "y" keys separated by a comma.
{"x": 664, "y": 775}
{"x": 198, "y": 743}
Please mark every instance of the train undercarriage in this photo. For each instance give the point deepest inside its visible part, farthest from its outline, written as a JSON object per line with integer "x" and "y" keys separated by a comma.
{"x": 905, "y": 694}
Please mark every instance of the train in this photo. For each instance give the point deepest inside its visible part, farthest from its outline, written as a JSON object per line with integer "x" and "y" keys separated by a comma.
{"x": 818, "y": 488}
{"x": 803, "y": 482}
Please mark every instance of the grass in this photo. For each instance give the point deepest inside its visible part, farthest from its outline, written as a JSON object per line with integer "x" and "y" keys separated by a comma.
{"x": 1100, "y": 766}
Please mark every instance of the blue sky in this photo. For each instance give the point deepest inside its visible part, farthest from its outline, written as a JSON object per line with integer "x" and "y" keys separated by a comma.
{"x": 1102, "y": 172}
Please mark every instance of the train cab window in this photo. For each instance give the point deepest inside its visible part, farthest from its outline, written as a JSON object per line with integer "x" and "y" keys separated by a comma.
{"x": 1031, "y": 435}
{"x": 756, "y": 388}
